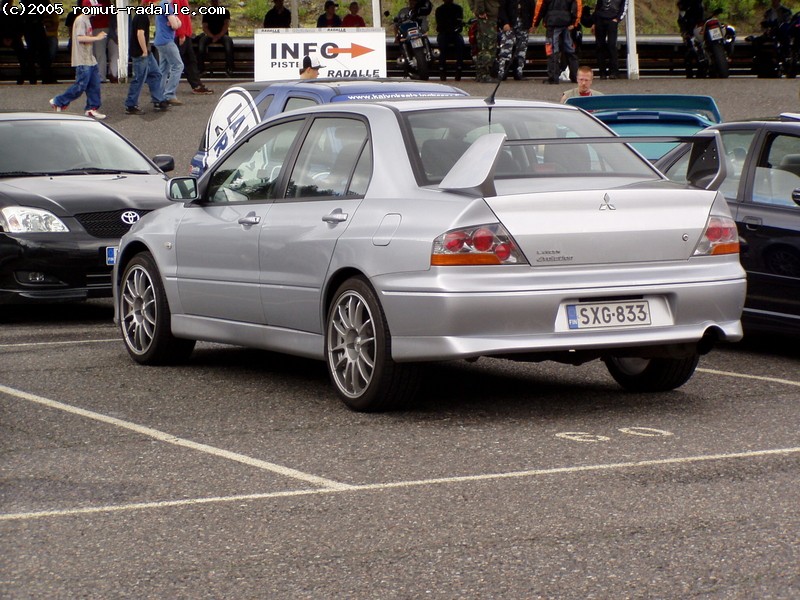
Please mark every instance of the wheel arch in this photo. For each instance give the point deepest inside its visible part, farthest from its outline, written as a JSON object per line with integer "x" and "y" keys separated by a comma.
{"x": 333, "y": 283}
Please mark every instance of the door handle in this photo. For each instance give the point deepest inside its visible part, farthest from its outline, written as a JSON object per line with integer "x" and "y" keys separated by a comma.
{"x": 250, "y": 220}
{"x": 336, "y": 216}
{"x": 752, "y": 223}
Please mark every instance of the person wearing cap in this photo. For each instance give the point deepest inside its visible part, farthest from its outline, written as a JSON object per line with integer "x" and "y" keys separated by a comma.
{"x": 87, "y": 77}
{"x": 329, "y": 18}
{"x": 311, "y": 67}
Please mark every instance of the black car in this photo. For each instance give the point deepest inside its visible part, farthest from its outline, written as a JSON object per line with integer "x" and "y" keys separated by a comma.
{"x": 762, "y": 188}
{"x": 70, "y": 187}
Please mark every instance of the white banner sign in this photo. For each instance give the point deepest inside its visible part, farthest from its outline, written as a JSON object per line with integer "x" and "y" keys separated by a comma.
{"x": 344, "y": 52}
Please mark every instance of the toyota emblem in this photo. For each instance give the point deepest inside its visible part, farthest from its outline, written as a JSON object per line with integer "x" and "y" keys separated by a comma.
{"x": 129, "y": 217}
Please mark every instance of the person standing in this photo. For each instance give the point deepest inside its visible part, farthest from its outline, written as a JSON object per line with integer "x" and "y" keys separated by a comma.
{"x": 184, "y": 37}
{"x": 560, "y": 17}
{"x": 215, "y": 31}
{"x": 515, "y": 20}
{"x": 278, "y": 16}
{"x": 449, "y": 23}
{"x": 87, "y": 77}
{"x": 607, "y": 15}
{"x": 169, "y": 57}
{"x": 36, "y": 39}
{"x": 144, "y": 68}
{"x": 329, "y": 18}
{"x": 353, "y": 19}
{"x": 106, "y": 51}
{"x": 585, "y": 78}
{"x": 11, "y": 37}
{"x": 487, "y": 13}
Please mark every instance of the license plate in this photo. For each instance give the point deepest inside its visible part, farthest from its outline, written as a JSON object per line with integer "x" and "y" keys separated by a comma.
{"x": 111, "y": 255}
{"x": 416, "y": 43}
{"x": 716, "y": 34}
{"x": 608, "y": 314}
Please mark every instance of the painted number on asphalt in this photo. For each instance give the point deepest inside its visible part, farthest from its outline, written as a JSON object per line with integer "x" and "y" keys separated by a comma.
{"x": 585, "y": 436}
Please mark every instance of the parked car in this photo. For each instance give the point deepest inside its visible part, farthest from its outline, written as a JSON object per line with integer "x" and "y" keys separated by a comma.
{"x": 243, "y": 106}
{"x": 514, "y": 229}
{"x": 762, "y": 187}
{"x": 69, "y": 188}
{"x": 652, "y": 115}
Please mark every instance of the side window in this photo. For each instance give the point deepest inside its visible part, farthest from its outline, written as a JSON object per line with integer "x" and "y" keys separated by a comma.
{"x": 778, "y": 172}
{"x": 363, "y": 173}
{"x": 737, "y": 146}
{"x": 251, "y": 172}
{"x": 327, "y": 158}
{"x": 294, "y": 102}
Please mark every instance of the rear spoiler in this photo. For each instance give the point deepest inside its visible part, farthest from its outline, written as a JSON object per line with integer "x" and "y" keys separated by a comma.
{"x": 704, "y": 105}
{"x": 473, "y": 173}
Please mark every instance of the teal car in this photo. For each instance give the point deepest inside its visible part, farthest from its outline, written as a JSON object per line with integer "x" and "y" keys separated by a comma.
{"x": 652, "y": 115}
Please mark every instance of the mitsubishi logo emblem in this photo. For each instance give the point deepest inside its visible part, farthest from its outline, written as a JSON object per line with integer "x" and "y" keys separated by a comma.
{"x": 129, "y": 217}
{"x": 606, "y": 205}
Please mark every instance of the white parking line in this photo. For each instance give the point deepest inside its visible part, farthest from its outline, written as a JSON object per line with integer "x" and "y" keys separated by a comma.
{"x": 757, "y": 377}
{"x": 171, "y": 439}
{"x": 67, "y": 343}
{"x": 401, "y": 484}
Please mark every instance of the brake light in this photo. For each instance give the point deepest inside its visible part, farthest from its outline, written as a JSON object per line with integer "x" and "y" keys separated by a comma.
{"x": 482, "y": 245}
{"x": 719, "y": 237}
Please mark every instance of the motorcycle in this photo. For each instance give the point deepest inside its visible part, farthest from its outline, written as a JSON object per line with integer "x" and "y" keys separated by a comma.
{"x": 711, "y": 47}
{"x": 776, "y": 52}
{"x": 411, "y": 33}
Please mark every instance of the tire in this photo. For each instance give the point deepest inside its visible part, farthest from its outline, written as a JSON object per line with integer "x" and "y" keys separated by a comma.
{"x": 358, "y": 352}
{"x": 651, "y": 374}
{"x": 145, "y": 316}
{"x": 720, "y": 61}
{"x": 421, "y": 61}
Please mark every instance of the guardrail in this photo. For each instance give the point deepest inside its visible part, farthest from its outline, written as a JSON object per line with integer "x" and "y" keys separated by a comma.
{"x": 658, "y": 56}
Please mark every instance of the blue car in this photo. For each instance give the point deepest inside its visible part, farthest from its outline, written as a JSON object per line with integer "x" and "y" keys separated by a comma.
{"x": 652, "y": 115}
{"x": 242, "y": 107}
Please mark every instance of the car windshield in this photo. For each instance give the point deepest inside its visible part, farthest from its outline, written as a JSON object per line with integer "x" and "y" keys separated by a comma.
{"x": 50, "y": 147}
{"x": 440, "y": 138}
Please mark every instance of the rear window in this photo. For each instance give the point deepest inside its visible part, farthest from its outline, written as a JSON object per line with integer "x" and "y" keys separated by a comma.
{"x": 439, "y": 138}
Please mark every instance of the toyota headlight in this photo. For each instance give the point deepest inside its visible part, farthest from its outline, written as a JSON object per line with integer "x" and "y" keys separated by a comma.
{"x": 23, "y": 219}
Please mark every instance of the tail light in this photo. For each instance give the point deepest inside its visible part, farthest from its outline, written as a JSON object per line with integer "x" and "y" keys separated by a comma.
{"x": 481, "y": 245}
{"x": 719, "y": 237}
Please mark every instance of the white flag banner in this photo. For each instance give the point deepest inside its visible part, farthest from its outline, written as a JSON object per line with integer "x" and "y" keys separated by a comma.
{"x": 343, "y": 52}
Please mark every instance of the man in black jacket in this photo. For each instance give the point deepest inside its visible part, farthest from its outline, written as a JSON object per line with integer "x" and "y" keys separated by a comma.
{"x": 607, "y": 16}
{"x": 560, "y": 17}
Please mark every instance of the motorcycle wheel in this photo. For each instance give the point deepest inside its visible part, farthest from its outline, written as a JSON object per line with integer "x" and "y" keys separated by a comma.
{"x": 720, "y": 60}
{"x": 422, "y": 63}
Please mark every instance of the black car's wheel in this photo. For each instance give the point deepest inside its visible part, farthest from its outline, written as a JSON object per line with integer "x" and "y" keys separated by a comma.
{"x": 145, "y": 316}
{"x": 358, "y": 352}
{"x": 651, "y": 374}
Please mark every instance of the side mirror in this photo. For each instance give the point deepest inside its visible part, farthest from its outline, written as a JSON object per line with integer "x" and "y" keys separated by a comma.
{"x": 182, "y": 189}
{"x": 796, "y": 196}
{"x": 165, "y": 162}
{"x": 706, "y": 161}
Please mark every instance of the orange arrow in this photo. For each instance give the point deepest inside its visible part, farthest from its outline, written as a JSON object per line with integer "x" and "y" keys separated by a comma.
{"x": 354, "y": 50}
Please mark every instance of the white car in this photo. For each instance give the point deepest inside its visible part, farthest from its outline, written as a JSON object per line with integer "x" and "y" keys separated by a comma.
{"x": 379, "y": 236}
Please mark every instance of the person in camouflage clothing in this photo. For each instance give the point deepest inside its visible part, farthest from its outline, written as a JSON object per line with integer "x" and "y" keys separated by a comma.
{"x": 515, "y": 20}
{"x": 487, "y": 12}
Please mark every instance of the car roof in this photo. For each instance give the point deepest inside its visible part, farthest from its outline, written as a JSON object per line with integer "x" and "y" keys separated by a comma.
{"x": 29, "y": 116}
{"x": 443, "y": 103}
{"x": 349, "y": 87}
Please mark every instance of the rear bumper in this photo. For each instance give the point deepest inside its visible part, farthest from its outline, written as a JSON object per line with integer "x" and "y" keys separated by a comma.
{"x": 433, "y": 325}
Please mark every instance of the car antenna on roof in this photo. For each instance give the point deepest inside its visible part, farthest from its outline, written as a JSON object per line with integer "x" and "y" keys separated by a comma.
{"x": 490, "y": 100}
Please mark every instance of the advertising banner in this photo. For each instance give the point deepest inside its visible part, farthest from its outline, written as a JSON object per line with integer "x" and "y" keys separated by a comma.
{"x": 344, "y": 52}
